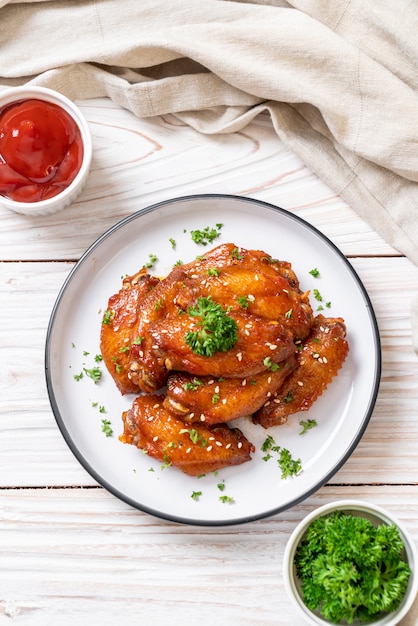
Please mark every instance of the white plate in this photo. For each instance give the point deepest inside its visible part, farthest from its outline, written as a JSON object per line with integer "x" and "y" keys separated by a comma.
{"x": 256, "y": 487}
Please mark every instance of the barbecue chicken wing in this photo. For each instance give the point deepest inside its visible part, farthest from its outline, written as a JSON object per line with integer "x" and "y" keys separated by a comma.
{"x": 321, "y": 356}
{"x": 262, "y": 295}
{"x": 213, "y": 400}
{"x": 195, "y": 451}
{"x": 119, "y": 322}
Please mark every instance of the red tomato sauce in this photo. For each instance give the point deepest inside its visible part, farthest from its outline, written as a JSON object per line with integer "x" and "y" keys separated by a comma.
{"x": 41, "y": 150}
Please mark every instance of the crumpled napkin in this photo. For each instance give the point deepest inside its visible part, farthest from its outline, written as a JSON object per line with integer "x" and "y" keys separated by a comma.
{"x": 338, "y": 78}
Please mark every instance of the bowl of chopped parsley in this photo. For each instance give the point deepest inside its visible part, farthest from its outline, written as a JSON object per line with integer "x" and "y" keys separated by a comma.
{"x": 351, "y": 562}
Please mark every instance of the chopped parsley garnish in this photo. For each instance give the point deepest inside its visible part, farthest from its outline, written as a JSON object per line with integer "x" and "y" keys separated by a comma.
{"x": 78, "y": 376}
{"x": 138, "y": 340}
{"x": 195, "y": 436}
{"x": 196, "y": 495}
{"x": 98, "y": 358}
{"x": 152, "y": 260}
{"x": 226, "y": 499}
{"x": 108, "y": 317}
{"x": 243, "y": 302}
{"x": 95, "y": 373}
{"x": 270, "y": 365}
{"x": 288, "y": 314}
{"x": 288, "y": 397}
{"x": 350, "y": 569}
{"x": 192, "y": 385}
{"x": 207, "y": 235}
{"x": 106, "y": 428}
{"x": 215, "y": 398}
{"x": 288, "y": 465}
{"x": 179, "y": 262}
{"x": 236, "y": 254}
{"x": 217, "y": 331}
{"x": 173, "y": 243}
{"x": 212, "y": 271}
{"x": 314, "y": 272}
{"x": 307, "y": 425}
{"x": 317, "y": 295}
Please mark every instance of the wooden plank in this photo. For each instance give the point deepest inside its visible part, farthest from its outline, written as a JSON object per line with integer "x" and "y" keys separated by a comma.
{"x": 138, "y": 162}
{"x": 33, "y": 453}
{"x": 76, "y": 556}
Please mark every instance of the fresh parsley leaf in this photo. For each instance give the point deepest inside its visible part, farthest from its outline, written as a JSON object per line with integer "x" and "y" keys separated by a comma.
{"x": 307, "y": 425}
{"x": 217, "y": 332}
{"x": 350, "y": 569}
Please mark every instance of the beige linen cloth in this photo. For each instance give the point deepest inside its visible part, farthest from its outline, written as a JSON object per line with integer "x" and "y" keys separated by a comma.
{"x": 338, "y": 77}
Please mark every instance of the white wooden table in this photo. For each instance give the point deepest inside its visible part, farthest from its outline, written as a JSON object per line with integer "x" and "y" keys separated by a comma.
{"x": 71, "y": 553}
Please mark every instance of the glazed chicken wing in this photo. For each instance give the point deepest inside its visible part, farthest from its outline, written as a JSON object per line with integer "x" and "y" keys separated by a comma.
{"x": 250, "y": 279}
{"x": 213, "y": 400}
{"x": 118, "y": 329}
{"x": 319, "y": 360}
{"x": 194, "y": 450}
{"x": 257, "y": 341}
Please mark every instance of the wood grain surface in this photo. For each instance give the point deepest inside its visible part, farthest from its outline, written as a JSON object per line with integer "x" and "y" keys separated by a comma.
{"x": 71, "y": 553}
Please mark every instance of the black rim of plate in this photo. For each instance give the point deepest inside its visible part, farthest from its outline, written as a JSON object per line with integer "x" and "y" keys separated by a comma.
{"x": 173, "y": 517}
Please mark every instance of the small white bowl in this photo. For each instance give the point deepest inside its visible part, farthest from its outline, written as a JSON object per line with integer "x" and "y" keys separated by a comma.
{"x": 376, "y": 515}
{"x": 68, "y": 195}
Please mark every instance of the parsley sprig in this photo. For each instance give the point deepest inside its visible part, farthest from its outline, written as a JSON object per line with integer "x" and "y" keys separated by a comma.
{"x": 217, "y": 332}
{"x": 351, "y": 569}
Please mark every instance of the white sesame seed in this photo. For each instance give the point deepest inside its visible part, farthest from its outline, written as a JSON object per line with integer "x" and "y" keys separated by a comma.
{"x": 154, "y": 334}
{"x": 239, "y": 356}
{"x": 155, "y": 438}
{"x": 249, "y": 325}
{"x": 218, "y": 443}
{"x": 273, "y": 346}
{"x": 326, "y": 329}
{"x": 202, "y": 418}
{"x": 325, "y": 360}
{"x": 269, "y": 380}
{"x": 276, "y": 400}
{"x": 156, "y": 406}
{"x": 155, "y": 347}
{"x": 191, "y": 415}
{"x": 211, "y": 438}
{"x": 188, "y": 450}
{"x": 211, "y": 381}
{"x": 239, "y": 444}
{"x": 247, "y": 332}
{"x": 228, "y": 445}
{"x": 320, "y": 360}
{"x": 244, "y": 382}
{"x": 256, "y": 277}
{"x": 209, "y": 448}
{"x": 268, "y": 394}
{"x": 164, "y": 331}
{"x": 300, "y": 383}
{"x": 224, "y": 401}
{"x": 267, "y": 403}
{"x": 194, "y": 276}
{"x": 217, "y": 389}
{"x": 251, "y": 297}
{"x": 141, "y": 353}
{"x": 322, "y": 329}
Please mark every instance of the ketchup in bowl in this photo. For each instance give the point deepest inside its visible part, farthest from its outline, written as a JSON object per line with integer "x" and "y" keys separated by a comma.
{"x": 41, "y": 150}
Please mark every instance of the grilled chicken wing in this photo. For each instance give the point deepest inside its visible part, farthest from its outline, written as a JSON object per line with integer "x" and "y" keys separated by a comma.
{"x": 258, "y": 340}
{"x": 118, "y": 330}
{"x": 250, "y": 279}
{"x": 194, "y": 451}
{"x": 213, "y": 401}
{"x": 319, "y": 360}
